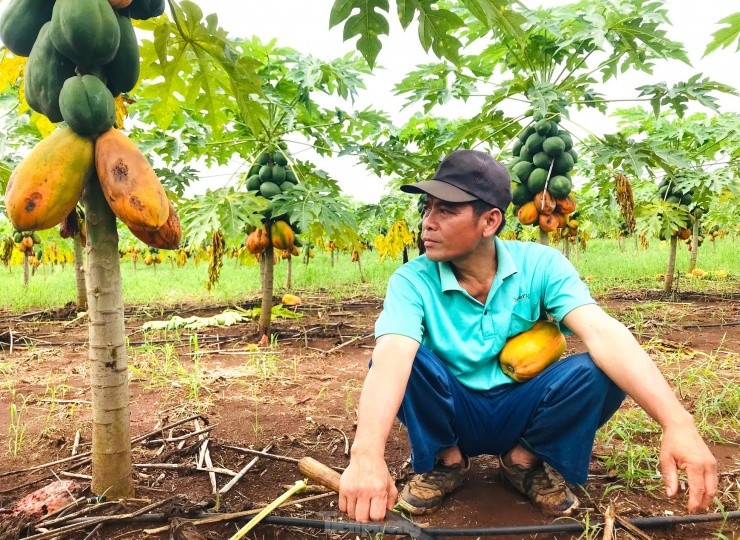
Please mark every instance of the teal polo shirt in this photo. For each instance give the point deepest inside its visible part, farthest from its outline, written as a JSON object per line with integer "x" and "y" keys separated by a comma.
{"x": 425, "y": 302}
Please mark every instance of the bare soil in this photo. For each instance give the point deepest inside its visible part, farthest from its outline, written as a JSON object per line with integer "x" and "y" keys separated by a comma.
{"x": 295, "y": 399}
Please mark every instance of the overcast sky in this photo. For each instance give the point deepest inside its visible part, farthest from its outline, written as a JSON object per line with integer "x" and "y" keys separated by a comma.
{"x": 304, "y": 25}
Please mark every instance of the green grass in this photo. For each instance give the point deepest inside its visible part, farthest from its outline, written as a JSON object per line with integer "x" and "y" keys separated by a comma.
{"x": 602, "y": 265}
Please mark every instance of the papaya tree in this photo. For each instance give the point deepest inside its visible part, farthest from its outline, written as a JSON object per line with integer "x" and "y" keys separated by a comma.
{"x": 553, "y": 66}
{"x": 274, "y": 115}
{"x": 683, "y": 162}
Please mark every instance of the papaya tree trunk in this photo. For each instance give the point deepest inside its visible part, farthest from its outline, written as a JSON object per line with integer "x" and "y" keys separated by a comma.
{"x": 26, "y": 269}
{"x": 268, "y": 274}
{"x": 111, "y": 430}
{"x": 668, "y": 282}
{"x": 544, "y": 238}
{"x": 332, "y": 256}
{"x": 620, "y": 243}
{"x": 359, "y": 266}
{"x": 694, "y": 245}
{"x": 80, "y": 273}
{"x": 405, "y": 258}
{"x": 289, "y": 274}
{"x": 637, "y": 242}
{"x": 566, "y": 247}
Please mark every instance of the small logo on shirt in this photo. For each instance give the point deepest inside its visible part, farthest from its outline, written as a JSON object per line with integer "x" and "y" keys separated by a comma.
{"x": 521, "y": 297}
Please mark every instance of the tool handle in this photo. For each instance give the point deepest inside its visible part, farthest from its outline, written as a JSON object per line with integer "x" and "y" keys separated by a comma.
{"x": 320, "y": 473}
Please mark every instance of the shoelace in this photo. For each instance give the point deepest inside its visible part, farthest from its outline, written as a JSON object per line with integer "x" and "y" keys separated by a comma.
{"x": 543, "y": 480}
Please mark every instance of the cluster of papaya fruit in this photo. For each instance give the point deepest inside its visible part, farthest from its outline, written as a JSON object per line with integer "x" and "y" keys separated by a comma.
{"x": 29, "y": 243}
{"x": 271, "y": 175}
{"x": 282, "y": 235}
{"x": 540, "y": 169}
{"x": 671, "y": 193}
{"x": 81, "y": 54}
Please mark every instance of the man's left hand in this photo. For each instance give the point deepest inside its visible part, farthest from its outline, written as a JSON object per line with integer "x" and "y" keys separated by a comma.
{"x": 683, "y": 449}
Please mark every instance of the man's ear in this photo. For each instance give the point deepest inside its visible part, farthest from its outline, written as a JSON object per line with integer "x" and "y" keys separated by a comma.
{"x": 493, "y": 218}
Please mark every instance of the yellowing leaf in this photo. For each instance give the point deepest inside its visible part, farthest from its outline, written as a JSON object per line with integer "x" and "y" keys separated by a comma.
{"x": 11, "y": 67}
{"x": 121, "y": 110}
{"x": 43, "y": 124}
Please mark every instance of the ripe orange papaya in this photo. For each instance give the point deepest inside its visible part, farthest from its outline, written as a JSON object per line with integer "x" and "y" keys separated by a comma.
{"x": 282, "y": 235}
{"x": 528, "y": 213}
{"x": 45, "y": 187}
{"x": 548, "y": 222}
{"x": 544, "y": 202}
{"x": 129, "y": 183}
{"x": 566, "y": 205}
{"x": 257, "y": 241}
{"x": 561, "y": 219}
{"x": 528, "y": 353}
{"x": 168, "y": 236}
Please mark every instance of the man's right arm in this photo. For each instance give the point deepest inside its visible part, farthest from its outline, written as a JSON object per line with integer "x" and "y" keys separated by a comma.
{"x": 366, "y": 487}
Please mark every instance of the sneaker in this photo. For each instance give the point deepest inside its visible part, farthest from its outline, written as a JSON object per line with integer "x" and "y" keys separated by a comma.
{"x": 542, "y": 485}
{"x": 425, "y": 492}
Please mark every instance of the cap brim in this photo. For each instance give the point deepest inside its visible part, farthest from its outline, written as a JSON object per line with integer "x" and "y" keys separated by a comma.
{"x": 440, "y": 190}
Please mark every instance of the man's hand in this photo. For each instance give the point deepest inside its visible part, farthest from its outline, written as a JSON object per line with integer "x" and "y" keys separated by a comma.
{"x": 366, "y": 489}
{"x": 683, "y": 449}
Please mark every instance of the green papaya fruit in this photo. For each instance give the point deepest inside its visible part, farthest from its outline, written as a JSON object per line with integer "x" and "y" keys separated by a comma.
{"x": 534, "y": 143}
{"x": 278, "y": 174}
{"x": 122, "y": 72}
{"x": 87, "y": 105}
{"x": 536, "y": 180}
{"x": 290, "y": 176}
{"x": 21, "y": 22}
{"x": 253, "y": 182}
{"x": 562, "y": 163}
{"x": 520, "y": 194}
{"x": 553, "y": 146}
{"x": 541, "y": 160}
{"x": 280, "y": 159}
{"x": 265, "y": 173}
{"x": 144, "y": 9}
{"x": 85, "y": 31}
{"x": 560, "y": 186}
{"x": 522, "y": 170}
{"x": 269, "y": 190}
{"x": 46, "y": 71}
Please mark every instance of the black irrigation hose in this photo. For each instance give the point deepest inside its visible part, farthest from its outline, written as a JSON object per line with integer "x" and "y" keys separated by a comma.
{"x": 415, "y": 531}
{"x": 354, "y": 527}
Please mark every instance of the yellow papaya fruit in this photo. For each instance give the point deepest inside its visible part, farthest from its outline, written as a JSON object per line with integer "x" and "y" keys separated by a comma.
{"x": 282, "y": 235}
{"x": 291, "y": 300}
{"x": 46, "y": 186}
{"x": 129, "y": 182}
{"x": 528, "y": 353}
{"x": 168, "y": 236}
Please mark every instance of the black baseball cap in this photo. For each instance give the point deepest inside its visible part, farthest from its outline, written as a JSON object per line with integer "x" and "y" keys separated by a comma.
{"x": 467, "y": 175}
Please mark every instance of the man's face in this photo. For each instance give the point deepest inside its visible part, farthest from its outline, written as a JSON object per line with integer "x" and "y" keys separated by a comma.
{"x": 450, "y": 231}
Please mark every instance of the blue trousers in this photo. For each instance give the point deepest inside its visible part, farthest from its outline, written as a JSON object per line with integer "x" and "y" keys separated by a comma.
{"x": 554, "y": 415}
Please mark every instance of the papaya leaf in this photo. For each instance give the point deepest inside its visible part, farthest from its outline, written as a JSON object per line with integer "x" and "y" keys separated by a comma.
{"x": 499, "y": 15}
{"x": 367, "y": 22}
{"x": 224, "y": 208}
{"x": 725, "y": 36}
{"x": 200, "y": 69}
{"x": 436, "y": 27}
{"x": 678, "y": 96}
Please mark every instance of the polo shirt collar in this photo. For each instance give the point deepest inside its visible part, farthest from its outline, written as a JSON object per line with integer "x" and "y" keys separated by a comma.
{"x": 506, "y": 267}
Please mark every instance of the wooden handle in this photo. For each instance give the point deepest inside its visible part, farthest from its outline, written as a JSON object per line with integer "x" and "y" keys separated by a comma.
{"x": 319, "y": 473}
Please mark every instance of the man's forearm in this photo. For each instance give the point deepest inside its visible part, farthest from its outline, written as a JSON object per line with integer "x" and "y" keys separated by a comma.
{"x": 382, "y": 394}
